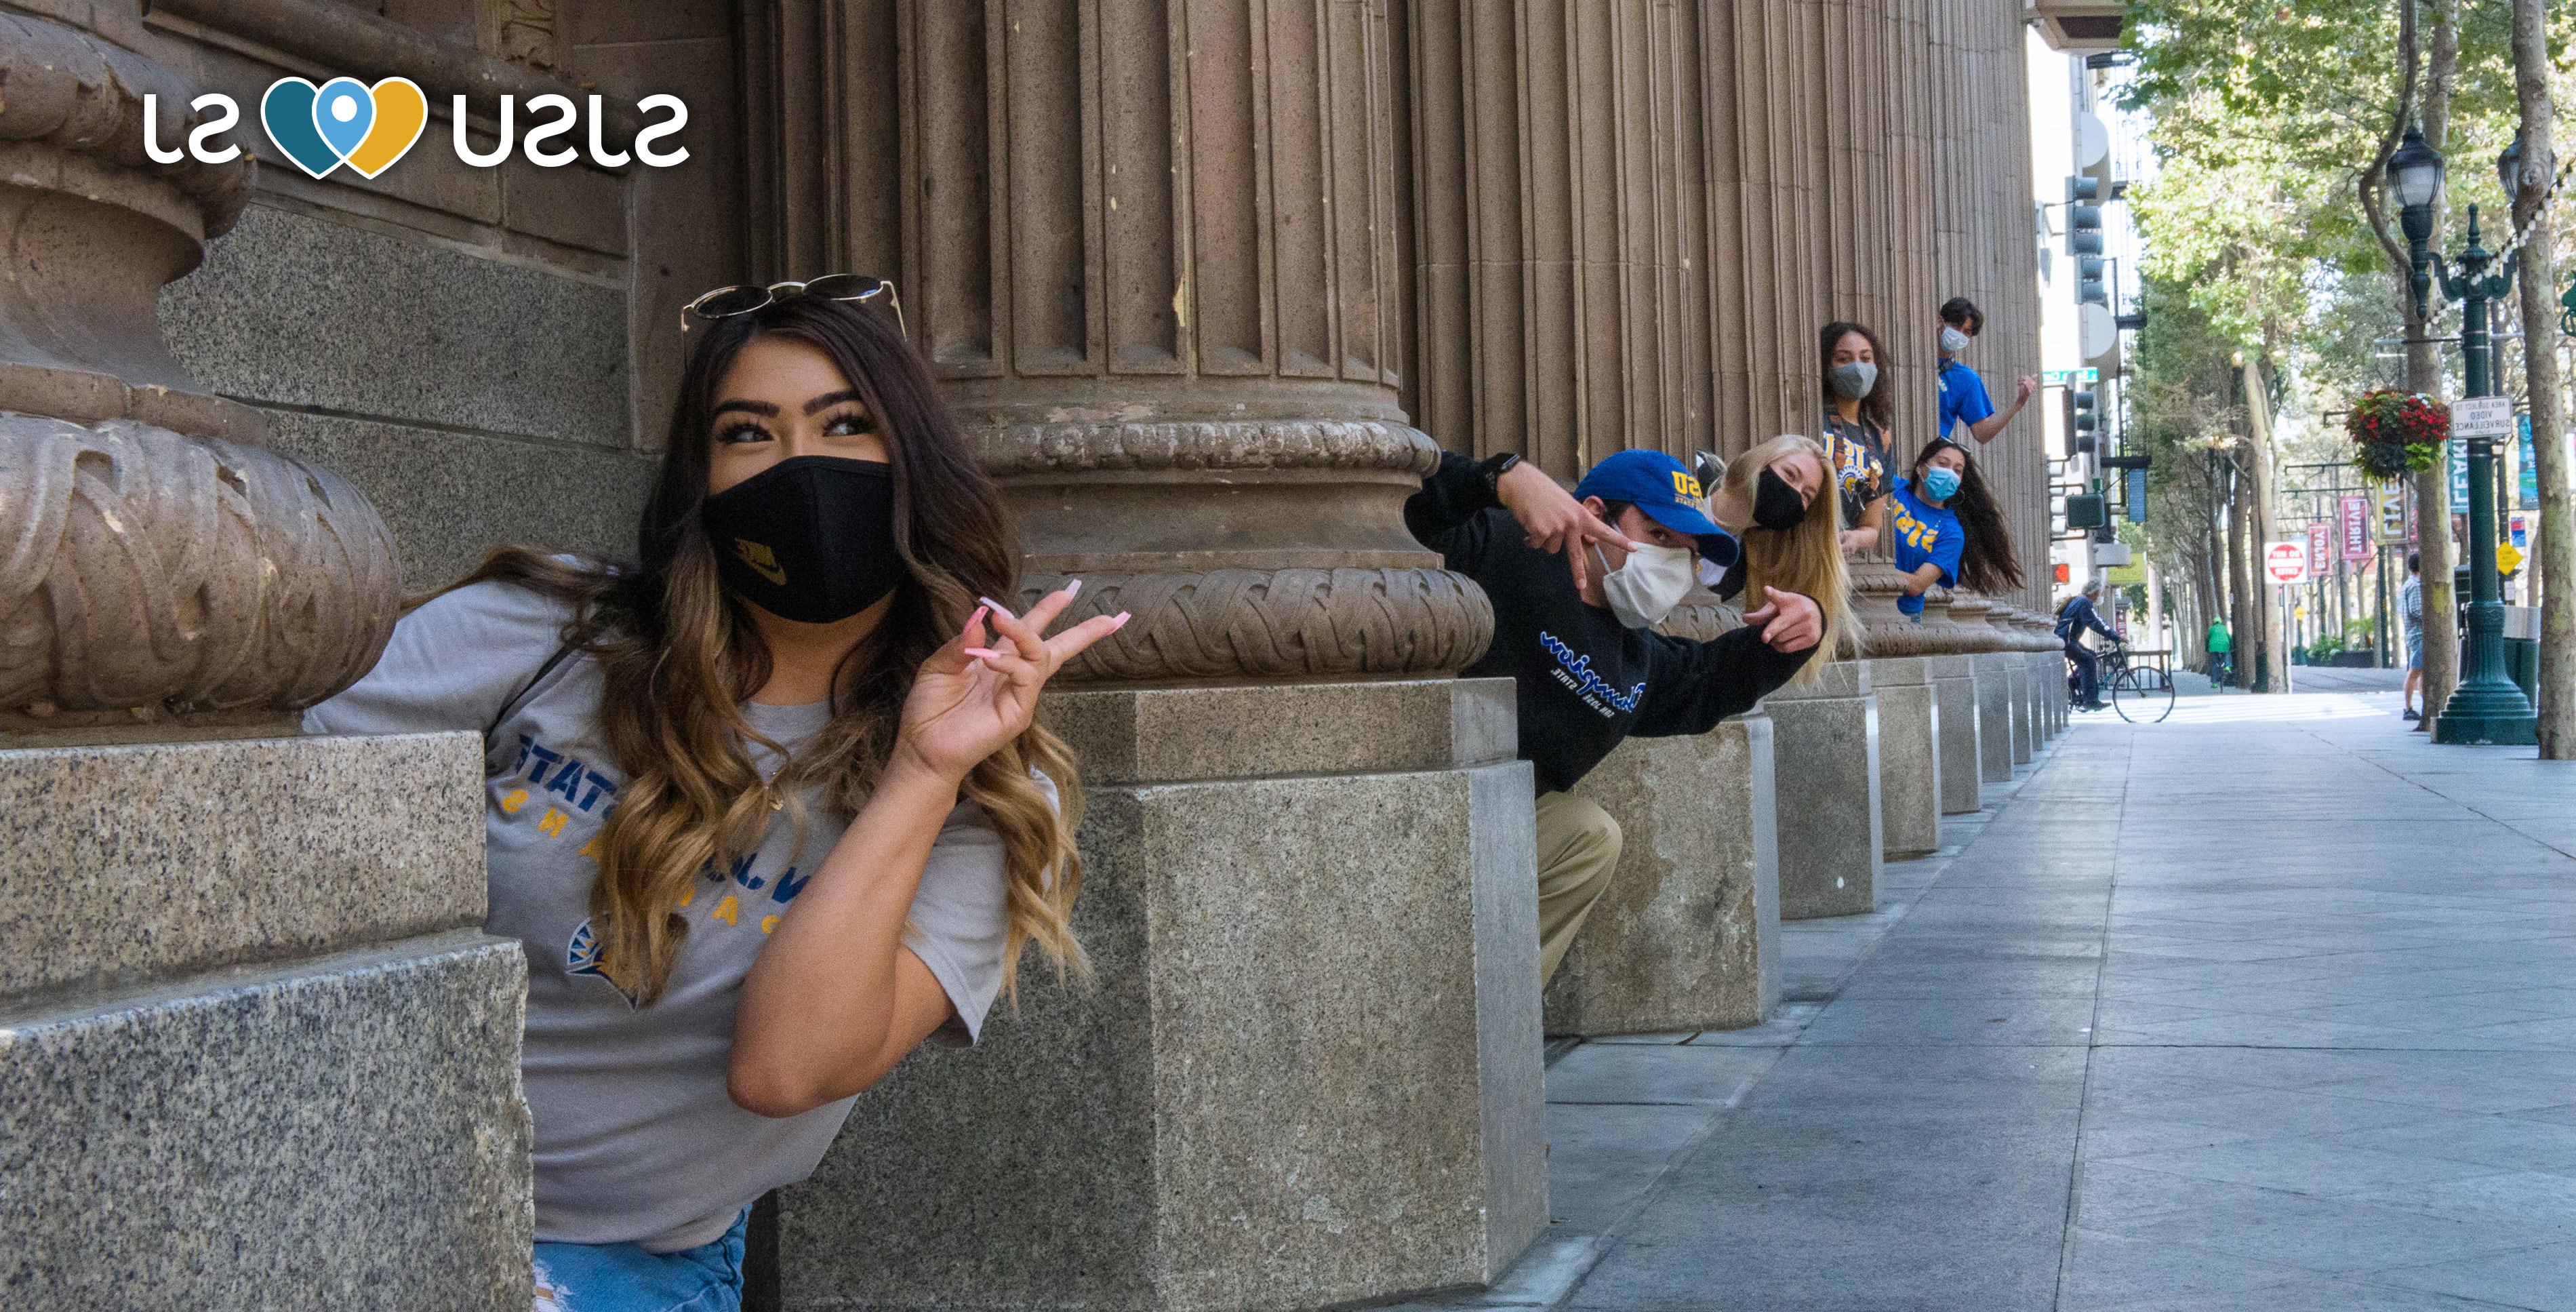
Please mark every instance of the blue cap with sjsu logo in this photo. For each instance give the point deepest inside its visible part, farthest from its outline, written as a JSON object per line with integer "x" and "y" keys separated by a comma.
{"x": 1666, "y": 490}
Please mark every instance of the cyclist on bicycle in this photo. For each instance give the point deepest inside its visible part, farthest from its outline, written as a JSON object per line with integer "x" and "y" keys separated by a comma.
{"x": 2073, "y": 618}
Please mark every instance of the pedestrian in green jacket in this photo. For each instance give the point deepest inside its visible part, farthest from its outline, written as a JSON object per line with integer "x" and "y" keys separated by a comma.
{"x": 2220, "y": 646}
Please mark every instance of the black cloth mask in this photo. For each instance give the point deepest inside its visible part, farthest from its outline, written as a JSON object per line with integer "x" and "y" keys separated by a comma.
{"x": 1776, "y": 505}
{"x": 808, "y": 539}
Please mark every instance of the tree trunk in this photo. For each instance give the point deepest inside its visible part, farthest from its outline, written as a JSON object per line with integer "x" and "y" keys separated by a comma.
{"x": 2274, "y": 617}
{"x": 2555, "y": 567}
{"x": 2245, "y": 617}
{"x": 2424, "y": 374}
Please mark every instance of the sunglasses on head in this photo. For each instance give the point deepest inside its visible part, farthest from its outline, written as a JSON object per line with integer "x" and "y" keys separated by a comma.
{"x": 726, "y": 302}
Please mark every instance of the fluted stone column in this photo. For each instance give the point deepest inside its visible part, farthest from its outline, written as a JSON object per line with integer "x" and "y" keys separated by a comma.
{"x": 1149, "y": 249}
{"x": 1909, "y": 716}
{"x": 255, "y": 1040}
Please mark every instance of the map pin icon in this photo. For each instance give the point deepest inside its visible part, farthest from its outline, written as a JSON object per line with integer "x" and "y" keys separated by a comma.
{"x": 343, "y": 110}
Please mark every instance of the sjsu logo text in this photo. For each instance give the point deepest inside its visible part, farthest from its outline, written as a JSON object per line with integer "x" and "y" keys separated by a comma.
{"x": 345, "y": 121}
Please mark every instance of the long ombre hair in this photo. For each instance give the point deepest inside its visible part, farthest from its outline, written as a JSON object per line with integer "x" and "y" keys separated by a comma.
{"x": 680, "y": 654}
{"x": 1807, "y": 559}
{"x": 1987, "y": 562}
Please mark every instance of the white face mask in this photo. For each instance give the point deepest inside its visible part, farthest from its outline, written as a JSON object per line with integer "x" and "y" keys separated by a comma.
{"x": 1952, "y": 340}
{"x": 1645, "y": 590}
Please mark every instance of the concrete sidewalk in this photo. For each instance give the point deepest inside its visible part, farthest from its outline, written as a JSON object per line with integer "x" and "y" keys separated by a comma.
{"x": 2271, "y": 1006}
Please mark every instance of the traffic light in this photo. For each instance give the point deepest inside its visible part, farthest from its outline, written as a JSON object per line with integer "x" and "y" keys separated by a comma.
{"x": 2082, "y": 421}
{"x": 2084, "y": 239}
{"x": 2086, "y": 510}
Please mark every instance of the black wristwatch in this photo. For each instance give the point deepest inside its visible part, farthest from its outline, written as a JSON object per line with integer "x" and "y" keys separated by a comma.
{"x": 1495, "y": 467}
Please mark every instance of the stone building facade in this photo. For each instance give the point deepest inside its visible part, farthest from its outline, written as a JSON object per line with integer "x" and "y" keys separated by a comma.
{"x": 1212, "y": 282}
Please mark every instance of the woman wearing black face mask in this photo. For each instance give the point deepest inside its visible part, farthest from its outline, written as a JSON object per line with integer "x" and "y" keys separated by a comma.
{"x": 1779, "y": 502}
{"x": 767, "y": 807}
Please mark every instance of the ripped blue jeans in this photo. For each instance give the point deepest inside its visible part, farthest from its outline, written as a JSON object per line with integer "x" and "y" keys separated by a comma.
{"x": 625, "y": 1278}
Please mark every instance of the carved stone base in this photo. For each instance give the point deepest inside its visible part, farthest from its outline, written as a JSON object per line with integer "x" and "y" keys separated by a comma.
{"x": 147, "y": 576}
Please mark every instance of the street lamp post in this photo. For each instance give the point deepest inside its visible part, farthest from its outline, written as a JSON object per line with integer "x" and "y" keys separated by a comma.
{"x": 2488, "y": 706}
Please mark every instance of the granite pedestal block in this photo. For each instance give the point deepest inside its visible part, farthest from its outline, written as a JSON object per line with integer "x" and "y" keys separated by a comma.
{"x": 1308, "y": 1069}
{"x": 2019, "y": 667}
{"x": 1954, "y": 691}
{"x": 1909, "y": 756}
{"x": 2047, "y": 694}
{"x": 1688, "y": 935}
{"x": 257, "y": 1052}
{"x": 1825, "y": 773}
{"x": 1994, "y": 671}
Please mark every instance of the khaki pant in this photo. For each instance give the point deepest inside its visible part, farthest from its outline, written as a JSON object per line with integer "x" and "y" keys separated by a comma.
{"x": 1578, "y": 847}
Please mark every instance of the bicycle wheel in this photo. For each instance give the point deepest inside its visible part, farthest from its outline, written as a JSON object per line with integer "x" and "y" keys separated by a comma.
{"x": 2142, "y": 698}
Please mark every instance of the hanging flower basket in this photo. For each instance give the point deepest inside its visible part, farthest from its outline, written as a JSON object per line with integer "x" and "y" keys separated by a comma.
{"x": 2395, "y": 432}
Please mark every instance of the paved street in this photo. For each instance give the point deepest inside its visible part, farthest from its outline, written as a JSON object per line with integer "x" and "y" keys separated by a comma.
{"x": 2271, "y": 1006}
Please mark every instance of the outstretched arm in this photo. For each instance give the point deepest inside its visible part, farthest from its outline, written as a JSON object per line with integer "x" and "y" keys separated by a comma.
{"x": 1984, "y": 430}
{"x": 835, "y": 999}
{"x": 1690, "y": 686}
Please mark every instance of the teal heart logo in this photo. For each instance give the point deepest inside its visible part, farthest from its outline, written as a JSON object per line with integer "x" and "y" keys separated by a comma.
{"x": 287, "y": 112}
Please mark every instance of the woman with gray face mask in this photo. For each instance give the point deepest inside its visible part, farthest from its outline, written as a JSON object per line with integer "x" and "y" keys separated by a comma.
{"x": 1858, "y": 412}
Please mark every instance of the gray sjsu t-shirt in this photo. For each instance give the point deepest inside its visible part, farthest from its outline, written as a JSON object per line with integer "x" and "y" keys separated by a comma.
{"x": 636, "y": 1138}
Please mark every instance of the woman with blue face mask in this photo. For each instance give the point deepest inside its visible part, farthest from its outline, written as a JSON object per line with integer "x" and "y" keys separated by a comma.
{"x": 1947, "y": 528}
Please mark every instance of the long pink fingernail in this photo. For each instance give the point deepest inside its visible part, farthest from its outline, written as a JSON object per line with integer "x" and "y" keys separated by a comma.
{"x": 1122, "y": 622}
{"x": 984, "y": 652}
{"x": 998, "y": 608}
{"x": 972, "y": 621}
{"x": 1073, "y": 590}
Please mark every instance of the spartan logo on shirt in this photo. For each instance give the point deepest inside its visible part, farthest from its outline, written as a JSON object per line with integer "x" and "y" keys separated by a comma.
{"x": 1916, "y": 533}
{"x": 581, "y": 957}
{"x": 1575, "y": 672}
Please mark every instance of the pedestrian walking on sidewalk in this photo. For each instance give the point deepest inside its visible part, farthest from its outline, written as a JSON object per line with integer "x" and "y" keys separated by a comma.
{"x": 2410, "y": 608}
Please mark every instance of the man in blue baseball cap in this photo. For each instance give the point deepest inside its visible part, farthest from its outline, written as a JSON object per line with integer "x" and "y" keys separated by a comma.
{"x": 1578, "y": 583}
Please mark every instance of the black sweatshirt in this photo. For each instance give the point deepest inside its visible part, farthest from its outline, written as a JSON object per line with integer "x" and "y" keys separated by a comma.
{"x": 1585, "y": 681}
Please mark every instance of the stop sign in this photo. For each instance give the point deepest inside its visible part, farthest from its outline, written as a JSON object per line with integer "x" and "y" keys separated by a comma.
{"x": 2286, "y": 562}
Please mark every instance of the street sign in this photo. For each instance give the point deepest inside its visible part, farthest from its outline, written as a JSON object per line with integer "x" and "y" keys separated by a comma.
{"x": 2057, "y": 376}
{"x": 2320, "y": 548}
{"x": 2482, "y": 416}
{"x": 2286, "y": 562}
{"x": 2459, "y": 458}
{"x": 2527, "y": 491}
{"x": 2352, "y": 513}
{"x": 2518, "y": 530}
{"x": 2395, "y": 524}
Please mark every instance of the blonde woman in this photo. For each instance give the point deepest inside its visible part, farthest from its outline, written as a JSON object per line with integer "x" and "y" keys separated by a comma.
{"x": 765, "y": 808}
{"x": 1777, "y": 500}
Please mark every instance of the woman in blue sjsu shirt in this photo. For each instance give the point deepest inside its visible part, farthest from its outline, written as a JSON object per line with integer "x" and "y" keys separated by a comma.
{"x": 1947, "y": 530}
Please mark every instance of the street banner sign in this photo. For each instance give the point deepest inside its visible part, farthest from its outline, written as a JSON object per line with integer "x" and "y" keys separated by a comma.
{"x": 2286, "y": 562}
{"x": 2320, "y": 548}
{"x": 2519, "y": 531}
{"x": 2459, "y": 457}
{"x": 2482, "y": 416}
{"x": 2352, "y": 514}
{"x": 2396, "y": 518}
{"x": 2528, "y": 492}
